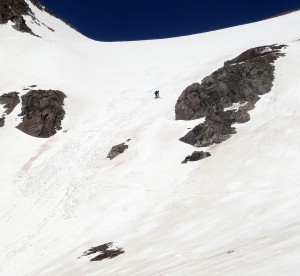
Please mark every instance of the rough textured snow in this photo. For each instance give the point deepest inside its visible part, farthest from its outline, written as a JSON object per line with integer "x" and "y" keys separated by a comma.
{"x": 235, "y": 213}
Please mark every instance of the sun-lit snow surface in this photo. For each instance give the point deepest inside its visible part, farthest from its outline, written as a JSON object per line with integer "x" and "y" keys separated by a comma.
{"x": 61, "y": 196}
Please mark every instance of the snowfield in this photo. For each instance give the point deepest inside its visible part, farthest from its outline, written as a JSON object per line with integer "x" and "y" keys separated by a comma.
{"x": 234, "y": 213}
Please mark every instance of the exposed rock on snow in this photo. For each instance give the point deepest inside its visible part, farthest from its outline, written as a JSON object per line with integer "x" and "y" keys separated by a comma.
{"x": 116, "y": 150}
{"x": 14, "y": 10}
{"x": 196, "y": 156}
{"x": 107, "y": 251}
{"x": 2, "y": 121}
{"x": 40, "y": 6}
{"x": 42, "y": 112}
{"x": 240, "y": 81}
{"x": 10, "y": 101}
{"x": 216, "y": 129}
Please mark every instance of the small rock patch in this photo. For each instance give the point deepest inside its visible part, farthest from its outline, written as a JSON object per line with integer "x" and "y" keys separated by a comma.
{"x": 196, "y": 156}
{"x": 117, "y": 150}
{"x": 10, "y": 101}
{"x": 2, "y": 121}
{"x": 104, "y": 251}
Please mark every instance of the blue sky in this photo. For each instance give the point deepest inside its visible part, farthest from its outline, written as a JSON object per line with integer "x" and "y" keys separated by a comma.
{"x": 119, "y": 20}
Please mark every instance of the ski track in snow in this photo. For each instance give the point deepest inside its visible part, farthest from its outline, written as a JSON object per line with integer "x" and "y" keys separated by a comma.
{"x": 235, "y": 213}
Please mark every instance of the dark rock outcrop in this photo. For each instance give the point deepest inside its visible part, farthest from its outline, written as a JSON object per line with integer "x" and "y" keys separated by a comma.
{"x": 240, "y": 81}
{"x": 216, "y": 129}
{"x": 14, "y": 10}
{"x": 2, "y": 121}
{"x": 10, "y": 101}
{"x": 42, "y": 112}
{"x": 105, "y": 251}
{"x": 116, "y": 150}
{"x": 196, "y": 156}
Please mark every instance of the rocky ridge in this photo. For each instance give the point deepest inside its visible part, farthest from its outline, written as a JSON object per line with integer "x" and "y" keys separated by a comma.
{"x": 15, "y": 10}
{"x": 225, "y": 97}
{"x": 196, "y": 156}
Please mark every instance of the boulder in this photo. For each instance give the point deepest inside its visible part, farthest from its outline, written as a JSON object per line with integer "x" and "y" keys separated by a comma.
{"x": 42, "y": 112}
{"x": 117, "y": 150}
{"x": 196, "y": 156}
{"x": 240, "y": 81}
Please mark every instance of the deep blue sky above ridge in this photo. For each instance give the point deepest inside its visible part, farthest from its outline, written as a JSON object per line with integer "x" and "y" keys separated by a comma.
{"x": 123, "y": 20}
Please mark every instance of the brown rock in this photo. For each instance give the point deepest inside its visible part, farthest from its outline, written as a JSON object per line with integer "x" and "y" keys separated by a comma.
{"x": 2, "y": 121}
{"x": 10, "y": 101}
{"x": 42, "y": 112}
{"x": 117, "y": 150}
{"x": 196, "y": 156}
{"x": 241, "y": 80}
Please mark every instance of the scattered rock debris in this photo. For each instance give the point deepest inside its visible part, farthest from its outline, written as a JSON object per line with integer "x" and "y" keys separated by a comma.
{"x": 196, "y": 156}
{"x": 104, "y": 251}
{"x": 225, "y": 97}
{"x": 117, "y": 150}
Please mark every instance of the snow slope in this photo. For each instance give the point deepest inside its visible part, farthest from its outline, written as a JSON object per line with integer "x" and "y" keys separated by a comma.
{"x": 235, "y": 213}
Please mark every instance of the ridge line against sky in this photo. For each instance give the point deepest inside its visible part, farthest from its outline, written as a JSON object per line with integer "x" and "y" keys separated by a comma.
{"x": 124, "y": 20}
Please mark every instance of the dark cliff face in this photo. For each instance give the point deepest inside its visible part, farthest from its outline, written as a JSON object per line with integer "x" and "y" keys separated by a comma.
{"x": 15, "y": 10}
{"x": 240, "y": 81}
{"x": 10, "y": 9}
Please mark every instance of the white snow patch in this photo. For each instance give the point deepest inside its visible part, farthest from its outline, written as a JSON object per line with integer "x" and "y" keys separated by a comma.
{"x": 61, "y": 195}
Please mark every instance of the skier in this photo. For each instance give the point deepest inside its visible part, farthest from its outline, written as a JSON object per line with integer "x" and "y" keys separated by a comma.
{"x": 156, "y": 93}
